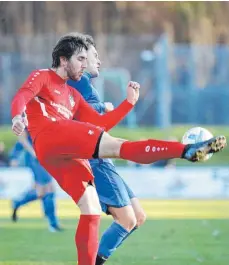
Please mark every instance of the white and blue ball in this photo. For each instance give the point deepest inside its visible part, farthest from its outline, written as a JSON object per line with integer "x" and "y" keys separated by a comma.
{"x": 196, "y": 135}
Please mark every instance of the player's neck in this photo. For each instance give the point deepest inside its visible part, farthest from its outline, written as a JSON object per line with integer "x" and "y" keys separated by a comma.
{"x": 60, "y": 72}
{"x": 88, "y": 74}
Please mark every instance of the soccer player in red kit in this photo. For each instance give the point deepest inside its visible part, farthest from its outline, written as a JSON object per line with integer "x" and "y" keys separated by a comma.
{"x": 66, "y": 132}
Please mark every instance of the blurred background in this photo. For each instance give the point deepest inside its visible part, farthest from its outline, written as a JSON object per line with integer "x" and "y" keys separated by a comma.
{"x": 179, "y": 53}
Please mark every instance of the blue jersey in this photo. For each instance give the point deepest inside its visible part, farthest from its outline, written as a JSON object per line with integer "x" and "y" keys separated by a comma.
{"x": 41, "y": 176}
{"x": 19, "y": 148}
{"x": 16, "y": 151}
{"x": 28, "y": 157}
{"x": 90, "y": 94}
{"x": 112, "y": 189}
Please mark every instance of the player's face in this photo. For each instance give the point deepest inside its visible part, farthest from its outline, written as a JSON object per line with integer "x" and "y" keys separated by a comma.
{"x": 76, "y": 65}
{"x": 93, "y": 62}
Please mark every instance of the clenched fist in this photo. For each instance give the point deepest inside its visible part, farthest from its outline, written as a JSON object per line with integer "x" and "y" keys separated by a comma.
{"x": 133, "y": 92}
{"x": 19, "y": 124}
{"x": 108, "y": 106}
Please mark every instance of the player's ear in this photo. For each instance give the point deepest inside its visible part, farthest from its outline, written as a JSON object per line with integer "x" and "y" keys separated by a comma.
{"x": 63, "y": 61}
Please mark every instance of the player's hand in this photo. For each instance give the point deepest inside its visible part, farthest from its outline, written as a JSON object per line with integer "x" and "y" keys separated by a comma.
{"x": 19, "y": 124}
{"x": 133, "y": 92}
{"x": 108, "y": 106}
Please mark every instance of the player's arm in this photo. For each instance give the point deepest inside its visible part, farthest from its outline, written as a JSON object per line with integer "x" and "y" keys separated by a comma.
{"x": 23, "y": 139}
{"x": 98, "y": 106}
{"x": 27, "y": 92}
{"x": 87, "y": 114}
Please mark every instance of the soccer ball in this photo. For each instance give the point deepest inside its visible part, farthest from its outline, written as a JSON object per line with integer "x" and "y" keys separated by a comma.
{"x": 196, "y": 135}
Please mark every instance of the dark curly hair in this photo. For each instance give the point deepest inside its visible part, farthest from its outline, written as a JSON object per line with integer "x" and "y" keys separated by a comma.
{"x": 67, "y": 46}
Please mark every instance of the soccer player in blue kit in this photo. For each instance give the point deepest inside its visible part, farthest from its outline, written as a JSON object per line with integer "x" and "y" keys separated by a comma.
{"x": 116, "y": 197}
{"x": 44, "y": 187}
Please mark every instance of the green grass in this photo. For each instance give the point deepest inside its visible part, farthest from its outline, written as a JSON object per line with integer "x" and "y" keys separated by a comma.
{"x": 143, "y": 133}
{"x": 161, "y": 241}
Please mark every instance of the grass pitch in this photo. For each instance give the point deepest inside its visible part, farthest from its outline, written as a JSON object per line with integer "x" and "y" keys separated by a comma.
{"x": 176, "y": 233}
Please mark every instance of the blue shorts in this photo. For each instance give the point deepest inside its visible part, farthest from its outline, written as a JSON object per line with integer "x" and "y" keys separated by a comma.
{"x": 41, "y": 176}
{"x": 111, "y": 188}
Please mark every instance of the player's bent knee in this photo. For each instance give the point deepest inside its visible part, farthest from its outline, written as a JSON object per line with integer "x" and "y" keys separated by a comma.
{"x": 125, "y": 217}
{"x": 50, "y": 188}
{"x": 89, "y": 202}
{"x": 40, "y": 190}
{"x": 138, "y": 211}
{"x": 128, "y": 222}
{"x": 141, "y": 218}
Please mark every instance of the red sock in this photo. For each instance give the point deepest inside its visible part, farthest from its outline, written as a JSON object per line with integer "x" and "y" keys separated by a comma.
{"x": 149, "y": 151}
{"x": 87, "y": 239}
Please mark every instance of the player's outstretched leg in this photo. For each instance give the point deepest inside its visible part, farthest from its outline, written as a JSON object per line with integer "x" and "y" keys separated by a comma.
{"x": 151, "y": 150}
{"x": 27, "y": 197}
{"x": 87, "y": 234}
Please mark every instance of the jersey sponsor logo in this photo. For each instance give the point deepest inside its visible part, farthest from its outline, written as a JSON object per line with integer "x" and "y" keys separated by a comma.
{"x": 72, "y": 102}
{"x": 63, "y": 110}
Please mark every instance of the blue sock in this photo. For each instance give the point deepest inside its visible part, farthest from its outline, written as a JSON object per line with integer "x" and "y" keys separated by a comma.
{"x": 127, "y": 236}
{"x": 26, "y": 197}
{"x": 111, "y": 238}
{"x": 50, "y": 208}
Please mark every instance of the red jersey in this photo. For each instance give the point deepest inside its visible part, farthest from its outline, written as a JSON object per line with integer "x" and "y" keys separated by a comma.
{"x": 45, "y": 97}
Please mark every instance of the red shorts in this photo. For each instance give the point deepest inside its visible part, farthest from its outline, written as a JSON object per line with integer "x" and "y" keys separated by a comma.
{"x": 63, "y": 149}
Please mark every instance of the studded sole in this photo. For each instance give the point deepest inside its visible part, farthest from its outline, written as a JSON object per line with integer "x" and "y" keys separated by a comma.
{"x": 214, "y": 145}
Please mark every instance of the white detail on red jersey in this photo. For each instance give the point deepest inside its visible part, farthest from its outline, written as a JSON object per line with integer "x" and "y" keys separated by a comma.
{"x": 90, "y": 132}
{"x": 57, "y": 91}
{"x": 43, "y": 109}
